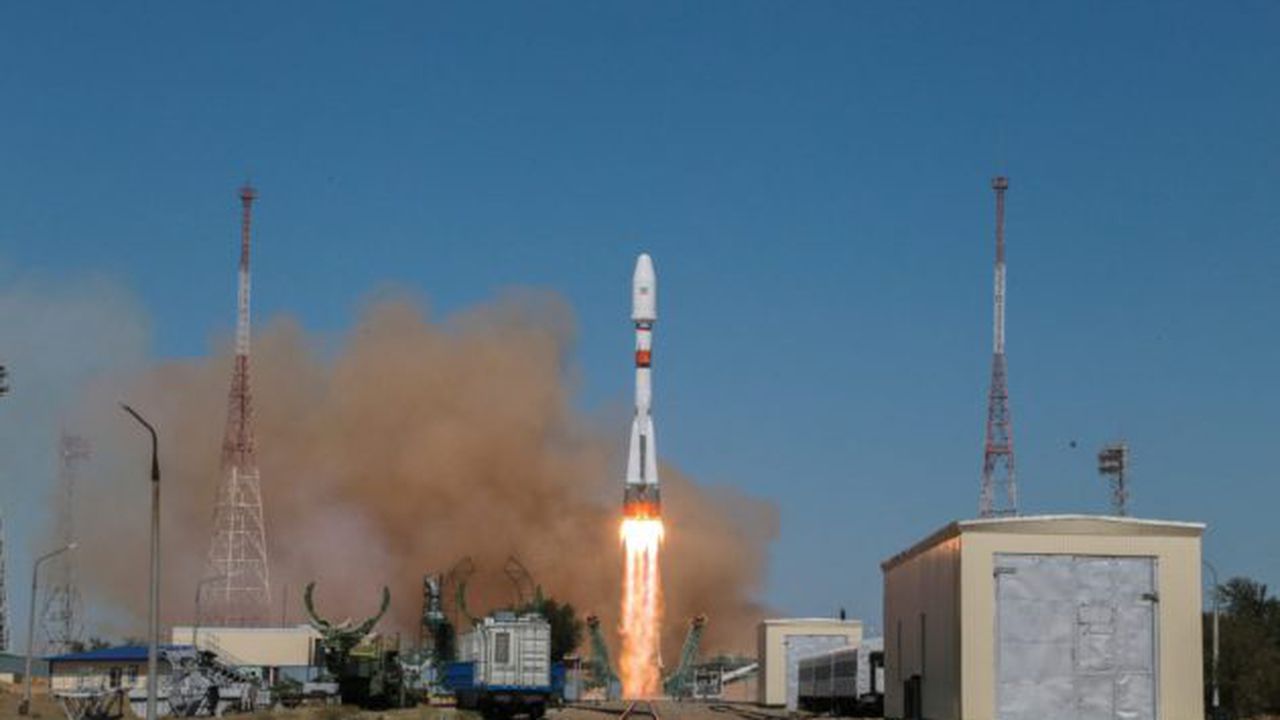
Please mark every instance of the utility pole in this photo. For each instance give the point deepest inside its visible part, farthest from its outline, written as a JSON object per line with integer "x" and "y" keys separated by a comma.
{"x": 997, "y": 458}
{"x": 24, "y": 708}
{"x": 1217, "y": 599}
{"x": 153, "y": 606}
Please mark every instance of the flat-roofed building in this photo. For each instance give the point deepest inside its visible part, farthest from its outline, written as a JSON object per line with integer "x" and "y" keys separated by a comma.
{"x": 1042, "y": 617}
{"x": 271, "y": 652}
{"x": 782, "y": 642}
{"x": 112, "y": 668}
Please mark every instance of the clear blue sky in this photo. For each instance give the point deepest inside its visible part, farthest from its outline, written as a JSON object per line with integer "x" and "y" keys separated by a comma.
{"x": 812, "y": 180}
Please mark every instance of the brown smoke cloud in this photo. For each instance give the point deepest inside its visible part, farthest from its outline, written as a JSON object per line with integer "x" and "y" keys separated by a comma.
{"x": 413, "y": 444}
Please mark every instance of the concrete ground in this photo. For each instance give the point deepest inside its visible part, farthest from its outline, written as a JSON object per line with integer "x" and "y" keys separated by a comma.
{"x": 44, "y": 708}
{"x": 669, "y": 710}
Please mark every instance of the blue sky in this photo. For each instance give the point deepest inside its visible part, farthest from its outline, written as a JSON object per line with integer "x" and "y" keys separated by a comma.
{"x": 812, "y": 180}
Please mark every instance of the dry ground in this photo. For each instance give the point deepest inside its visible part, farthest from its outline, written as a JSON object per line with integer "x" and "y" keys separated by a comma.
{"x": 43, "y": 708}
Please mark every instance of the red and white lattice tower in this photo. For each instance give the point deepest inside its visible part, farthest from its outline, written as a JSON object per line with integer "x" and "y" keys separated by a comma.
{"x": 241, "y": 593}
{"x": 997, "y": 459}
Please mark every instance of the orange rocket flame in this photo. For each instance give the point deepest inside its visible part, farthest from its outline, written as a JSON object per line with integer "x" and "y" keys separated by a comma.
{"x": 641, "y": 607}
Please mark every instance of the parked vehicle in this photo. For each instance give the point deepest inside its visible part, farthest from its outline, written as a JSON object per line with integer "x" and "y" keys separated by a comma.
{"x": 831, "y": 682}
{"x": 504, "y": 667}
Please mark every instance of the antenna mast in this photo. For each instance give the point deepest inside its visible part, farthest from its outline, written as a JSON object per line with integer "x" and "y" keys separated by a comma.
{"x": 1113, "y": 463}
{"x": 62, "y": 619}
{"x": 997, "y": 460}
{"x": 238, "y": 551}
{"x": 4, "y": 602}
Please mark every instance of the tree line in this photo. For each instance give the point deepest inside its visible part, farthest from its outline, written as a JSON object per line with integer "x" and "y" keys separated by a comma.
{"x": 1249, "y": 649}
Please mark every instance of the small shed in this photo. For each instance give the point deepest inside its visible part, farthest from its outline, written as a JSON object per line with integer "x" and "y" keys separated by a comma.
{"x": 782, "y": 642}
{"x": 1042, "y": 617}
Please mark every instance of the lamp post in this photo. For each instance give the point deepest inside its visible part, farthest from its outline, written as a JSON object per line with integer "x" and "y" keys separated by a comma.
{"x": 195, "y": 628}
{"x": 1216, "y": 600}
{"x": 25, "y": 707}
{"x": 153, "y": 611}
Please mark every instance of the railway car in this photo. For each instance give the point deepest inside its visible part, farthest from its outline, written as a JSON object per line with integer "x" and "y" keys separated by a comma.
{"x": 505, "y": 667}
{"x": 829, "y": 683}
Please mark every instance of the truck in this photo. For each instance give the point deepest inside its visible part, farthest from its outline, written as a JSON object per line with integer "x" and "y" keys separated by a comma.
{"x": 504, "y": 667}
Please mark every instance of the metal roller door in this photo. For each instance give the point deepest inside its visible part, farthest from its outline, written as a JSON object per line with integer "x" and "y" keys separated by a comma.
{"x": 1075, "y": 637}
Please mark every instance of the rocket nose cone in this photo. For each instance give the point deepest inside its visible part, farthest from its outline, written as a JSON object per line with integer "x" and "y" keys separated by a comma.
{"x": 644, "y": 290}
{"x": 644, "y": 270}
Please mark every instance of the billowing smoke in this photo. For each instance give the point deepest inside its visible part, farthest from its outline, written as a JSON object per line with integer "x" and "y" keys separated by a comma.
{"x": 411, "y": 445}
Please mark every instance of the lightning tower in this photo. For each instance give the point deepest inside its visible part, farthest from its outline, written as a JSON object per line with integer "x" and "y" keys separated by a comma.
{"x": 4, "y": 602}
{"x": 997, "y": 460}
{"x": 61, "y": 619}
{"x": 241, "y": 594}
{"x": 4, "y": 597}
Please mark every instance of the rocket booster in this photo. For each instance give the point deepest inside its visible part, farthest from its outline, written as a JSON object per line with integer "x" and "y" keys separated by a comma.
{"x": 641, "y": 497}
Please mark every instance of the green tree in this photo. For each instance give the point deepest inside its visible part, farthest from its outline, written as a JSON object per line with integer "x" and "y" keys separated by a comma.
{"x": 567, "y": 628}
{"x": 1249, "y": 676}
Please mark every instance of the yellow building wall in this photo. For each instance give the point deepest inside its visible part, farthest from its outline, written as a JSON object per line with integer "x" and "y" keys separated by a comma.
{"x": 922, "y": 630}
{"x": 255, "y": 647}
{"x": 771, "y": 650}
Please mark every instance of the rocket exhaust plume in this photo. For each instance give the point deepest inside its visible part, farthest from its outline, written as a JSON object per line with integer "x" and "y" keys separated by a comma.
{"x": 642, "y": 528}
{"x": 390, "y": 448}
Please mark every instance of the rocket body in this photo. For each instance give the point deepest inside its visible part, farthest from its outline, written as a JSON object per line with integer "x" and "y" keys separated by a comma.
{"x": 641, "y": 497}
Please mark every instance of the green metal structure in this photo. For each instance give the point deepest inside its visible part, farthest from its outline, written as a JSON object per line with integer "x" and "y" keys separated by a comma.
{"x": 679, "y": 684}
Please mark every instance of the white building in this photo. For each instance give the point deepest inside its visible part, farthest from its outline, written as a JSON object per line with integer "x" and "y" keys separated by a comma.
{"x": 114, "y": 668}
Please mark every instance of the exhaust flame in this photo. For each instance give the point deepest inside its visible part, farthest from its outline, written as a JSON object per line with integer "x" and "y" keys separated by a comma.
{"x": 641, "y": 608}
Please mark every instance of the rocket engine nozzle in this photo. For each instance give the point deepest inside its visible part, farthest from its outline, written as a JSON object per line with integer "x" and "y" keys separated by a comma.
{"x": 641, "y": 502}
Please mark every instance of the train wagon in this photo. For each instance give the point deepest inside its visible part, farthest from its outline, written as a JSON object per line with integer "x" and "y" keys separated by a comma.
{"x": 830, "y": 682}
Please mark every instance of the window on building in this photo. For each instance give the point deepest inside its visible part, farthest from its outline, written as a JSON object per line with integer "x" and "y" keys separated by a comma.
{"x": 133, "y": 674}
{"x": 502, "y": 648}
{"x": 113, "y": 677}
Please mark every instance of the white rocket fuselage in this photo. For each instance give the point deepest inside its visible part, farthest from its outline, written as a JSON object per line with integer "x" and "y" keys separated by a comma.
{"x": 641, "y": 496}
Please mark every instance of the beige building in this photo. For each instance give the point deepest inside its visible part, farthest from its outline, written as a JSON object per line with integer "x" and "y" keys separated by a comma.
{"x": 781, "y": 643}
{"x": 273, "y": 650}
{"x": 1046, "y": 617}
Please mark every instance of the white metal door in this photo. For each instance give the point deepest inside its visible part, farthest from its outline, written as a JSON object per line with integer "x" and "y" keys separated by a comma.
{"x": 1075, "y": 637}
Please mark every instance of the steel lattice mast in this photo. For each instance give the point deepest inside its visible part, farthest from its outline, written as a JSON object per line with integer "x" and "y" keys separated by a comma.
{"x": 4, "y": 597}
{"x": 61, "y": 619}
{"x": 997, "y": 460}
{"x": 238, "y": 553}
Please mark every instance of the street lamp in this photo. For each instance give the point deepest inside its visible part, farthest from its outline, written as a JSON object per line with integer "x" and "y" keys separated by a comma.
{"x": 199, "y": 589}
{"x": 1216, "y": 600}
{"x": 153, "y": 611}
{"x": 25, "y": 707}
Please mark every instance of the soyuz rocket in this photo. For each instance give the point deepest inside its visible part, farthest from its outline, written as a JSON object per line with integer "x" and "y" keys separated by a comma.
{"x": 641, "y": 497}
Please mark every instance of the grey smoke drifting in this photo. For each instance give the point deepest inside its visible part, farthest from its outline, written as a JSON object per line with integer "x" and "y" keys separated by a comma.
{"x": 412, "y": 445}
